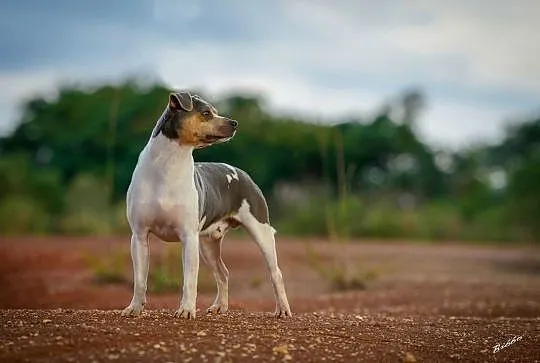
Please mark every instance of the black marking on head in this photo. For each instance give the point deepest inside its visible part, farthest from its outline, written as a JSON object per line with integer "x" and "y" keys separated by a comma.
{"x": 170, "y": 127}
{"x": 168, "y": 124}
{"x": 179, "y": 104}
{"x": 180, "y": 101}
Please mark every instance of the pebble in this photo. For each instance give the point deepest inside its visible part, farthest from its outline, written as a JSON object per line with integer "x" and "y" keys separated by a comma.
{"x": 409, "y": 358}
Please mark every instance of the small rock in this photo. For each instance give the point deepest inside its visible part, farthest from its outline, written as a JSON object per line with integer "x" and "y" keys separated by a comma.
{"x": 409, "y": 358}
{"x": 281, "y": 349}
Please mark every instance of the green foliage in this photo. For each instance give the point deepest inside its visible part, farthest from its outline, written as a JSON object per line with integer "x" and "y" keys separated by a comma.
{"x": 67, "y": 166}
{"x": 18, "y": 177}
{"x": 356, "y": 218}
{"x": 20, "y": 214}
{"x": 524, "y": 201}
{"x": 519, "y": 155}
{"x": 88, "y": 210}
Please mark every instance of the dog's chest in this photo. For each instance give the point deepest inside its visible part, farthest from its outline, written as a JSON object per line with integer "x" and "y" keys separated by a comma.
{"x": 172, "y": 209}
{"x": 162, "y": 195}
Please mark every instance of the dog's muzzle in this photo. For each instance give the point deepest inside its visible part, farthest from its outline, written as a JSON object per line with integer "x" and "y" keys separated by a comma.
{"x": 224, "y": 131}
{"x": 228, "y": 128}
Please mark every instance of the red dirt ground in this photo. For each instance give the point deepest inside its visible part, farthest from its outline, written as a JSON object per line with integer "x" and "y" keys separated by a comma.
{"x": 425, "y": 303}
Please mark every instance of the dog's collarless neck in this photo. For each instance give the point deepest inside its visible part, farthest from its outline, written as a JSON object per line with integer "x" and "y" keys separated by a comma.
{"x": 162, "y": 147}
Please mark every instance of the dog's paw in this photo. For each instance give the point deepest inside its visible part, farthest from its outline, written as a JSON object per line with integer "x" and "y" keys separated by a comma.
{"x": 133, "y": 310}
{"x": 282, "y": 312}
{"x": 185, "y": 313}
{"x": 217, "y": 309}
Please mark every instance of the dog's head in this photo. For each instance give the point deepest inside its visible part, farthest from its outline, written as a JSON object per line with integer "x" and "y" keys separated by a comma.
{"x": 192, "y": 121}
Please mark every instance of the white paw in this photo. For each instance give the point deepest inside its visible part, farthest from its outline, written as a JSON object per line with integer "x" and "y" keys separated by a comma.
{"x": 185, "y": 313}
{"x": 133, "y": 310}
{"x": 282, "y": 312}
{"x": 217, "y": 309}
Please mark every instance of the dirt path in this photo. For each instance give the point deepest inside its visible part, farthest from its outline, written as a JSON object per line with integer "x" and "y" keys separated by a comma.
{"x": 89, "y": 335}
{"x": 423, "y": 303}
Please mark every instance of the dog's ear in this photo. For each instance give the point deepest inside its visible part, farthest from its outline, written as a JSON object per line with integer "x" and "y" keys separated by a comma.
{"x": 180, "y": 101}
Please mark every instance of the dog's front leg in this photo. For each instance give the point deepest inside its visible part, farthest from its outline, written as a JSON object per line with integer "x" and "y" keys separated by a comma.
{"x": 190, "y": 261}
{"x": 139, "y": 256}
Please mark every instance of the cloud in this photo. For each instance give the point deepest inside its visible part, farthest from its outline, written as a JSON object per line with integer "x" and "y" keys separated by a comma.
{"x": 18, "y": 88}
{"x": 487, "y": 43}
{"x": 474, "y": 44}
{"x": 36, "y": 34}
{"x": 476, "y": 61}
{"x": 457, "y": 124}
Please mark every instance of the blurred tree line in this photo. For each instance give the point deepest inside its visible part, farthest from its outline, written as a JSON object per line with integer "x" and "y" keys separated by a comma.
{"x": 66, "y": 168}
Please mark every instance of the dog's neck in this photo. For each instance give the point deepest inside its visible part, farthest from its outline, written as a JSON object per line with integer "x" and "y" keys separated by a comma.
{"x": 164, "y": 147}
{"x": 168, "y": 155}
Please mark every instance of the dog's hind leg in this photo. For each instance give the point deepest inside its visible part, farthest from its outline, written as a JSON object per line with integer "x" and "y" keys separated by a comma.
{"x": 211, "y": 254}
{"x": 139, "y": 257}
{"x": 263, "y": 234}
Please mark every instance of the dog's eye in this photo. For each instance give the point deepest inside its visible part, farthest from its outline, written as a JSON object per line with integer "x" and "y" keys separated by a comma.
{"x": 207, "y": 114}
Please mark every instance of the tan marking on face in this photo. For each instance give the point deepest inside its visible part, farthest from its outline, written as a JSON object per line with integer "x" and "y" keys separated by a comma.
{"x": 195, "y": 127}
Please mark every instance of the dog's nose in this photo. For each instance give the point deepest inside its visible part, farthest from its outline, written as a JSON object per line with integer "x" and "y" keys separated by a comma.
{"x": 233, "y": 123}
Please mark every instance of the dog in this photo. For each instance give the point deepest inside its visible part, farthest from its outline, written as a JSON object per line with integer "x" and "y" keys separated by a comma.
{"x": 195, "y": 203}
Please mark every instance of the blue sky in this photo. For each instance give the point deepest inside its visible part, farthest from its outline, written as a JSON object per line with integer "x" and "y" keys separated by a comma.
{"x": 477, "y": 62}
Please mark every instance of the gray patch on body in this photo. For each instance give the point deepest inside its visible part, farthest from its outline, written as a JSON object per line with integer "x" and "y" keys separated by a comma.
{"x": 221, "y": 197}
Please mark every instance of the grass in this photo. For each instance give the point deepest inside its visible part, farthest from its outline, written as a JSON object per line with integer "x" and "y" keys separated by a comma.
{"x": 340, "y": 275}
{"x": 256, "y": 282}
{"x": 165, "y": 273}
{"x": 109, "y": 269}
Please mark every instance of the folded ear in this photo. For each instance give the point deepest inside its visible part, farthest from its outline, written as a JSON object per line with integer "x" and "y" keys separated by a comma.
{"x": 180, "y": 101}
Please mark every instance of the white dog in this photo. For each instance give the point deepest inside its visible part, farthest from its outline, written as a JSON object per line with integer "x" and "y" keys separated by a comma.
{"x": 177, "y": 200}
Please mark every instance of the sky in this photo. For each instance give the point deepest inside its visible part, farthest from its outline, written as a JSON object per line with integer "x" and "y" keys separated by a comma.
{"x": 477, "y": 62}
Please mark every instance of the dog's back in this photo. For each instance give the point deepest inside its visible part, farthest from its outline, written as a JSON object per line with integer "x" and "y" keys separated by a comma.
{"x": 222, "y": 188}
